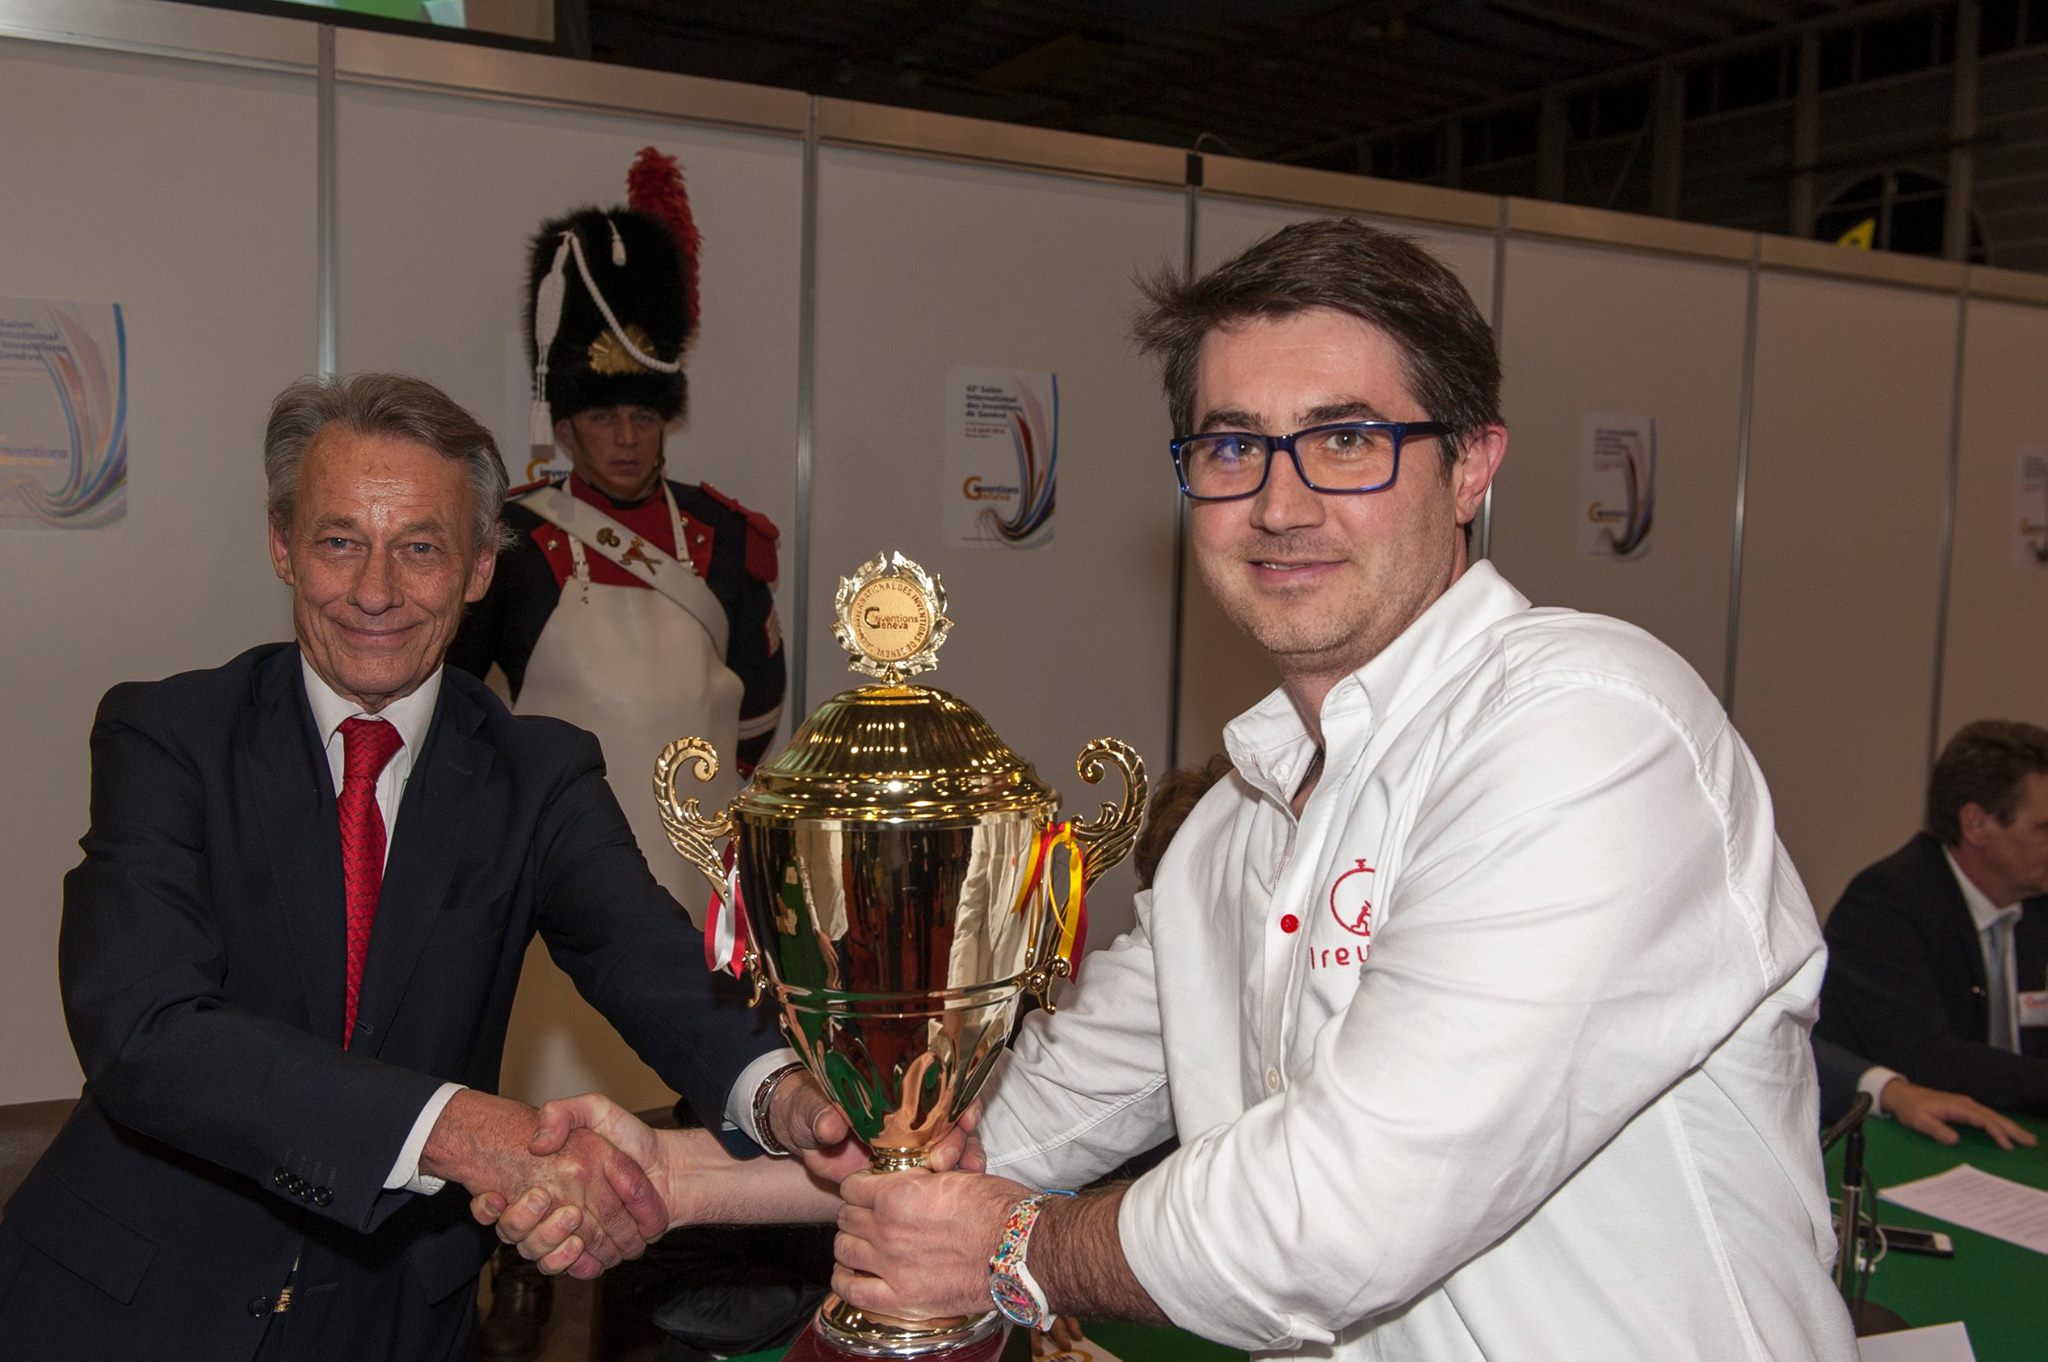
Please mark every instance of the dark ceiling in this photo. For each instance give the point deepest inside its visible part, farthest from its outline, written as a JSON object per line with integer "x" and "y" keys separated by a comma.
{"x": 1285, "y": 80}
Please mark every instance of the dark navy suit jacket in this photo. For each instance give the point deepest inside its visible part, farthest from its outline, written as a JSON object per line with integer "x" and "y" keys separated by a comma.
{"x": 1905, "y": 984}
{"x": 224, "y": 1133}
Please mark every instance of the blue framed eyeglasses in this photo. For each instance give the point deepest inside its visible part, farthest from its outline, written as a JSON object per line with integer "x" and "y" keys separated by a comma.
{"x": 1342, "y": 459}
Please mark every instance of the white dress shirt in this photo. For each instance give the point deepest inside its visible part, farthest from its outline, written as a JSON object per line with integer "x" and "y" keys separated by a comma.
{"x": 1995, "y": 926}
{"x": 1559, "y": 1102}
{"x": 411, "y": 715}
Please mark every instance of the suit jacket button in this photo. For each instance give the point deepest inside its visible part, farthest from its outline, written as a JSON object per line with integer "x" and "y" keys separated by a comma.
{"x": 262, "y": 1305}
{"x": 321, "y": 1196}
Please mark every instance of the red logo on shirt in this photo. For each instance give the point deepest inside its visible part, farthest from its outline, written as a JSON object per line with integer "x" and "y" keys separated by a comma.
{"x": 1349, "y": 903}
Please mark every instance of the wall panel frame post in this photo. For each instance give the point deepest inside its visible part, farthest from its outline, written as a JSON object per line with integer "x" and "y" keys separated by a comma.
{"x": 1499, "y": 315}
{"x": 325, "y": 170}
{"x": 1741, "y": 477}
{"x": 1948, "y": 525}
{"x": 1177, "y": 648}
{"x": 799, "y": 632}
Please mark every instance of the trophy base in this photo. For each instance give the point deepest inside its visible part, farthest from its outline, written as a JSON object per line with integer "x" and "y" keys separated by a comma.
{"x": 840, "y": 1332}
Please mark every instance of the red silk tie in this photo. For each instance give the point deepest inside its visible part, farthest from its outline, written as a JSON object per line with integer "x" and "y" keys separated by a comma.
{"x": 367, "y": 744}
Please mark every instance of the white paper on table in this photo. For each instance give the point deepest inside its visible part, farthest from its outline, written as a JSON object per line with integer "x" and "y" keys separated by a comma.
{"x": 1977, "y": 1200}
{"x": 1938, "y": 1343}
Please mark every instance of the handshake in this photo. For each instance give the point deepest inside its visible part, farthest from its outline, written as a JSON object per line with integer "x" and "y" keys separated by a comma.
{"x": 582, "y": 1184}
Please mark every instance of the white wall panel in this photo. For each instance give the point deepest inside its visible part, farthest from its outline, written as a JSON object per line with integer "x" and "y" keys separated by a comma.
{"x": 1996, "y": 657}
{"x": 1223, "y": 673}
{"x": 1834, "y": 672}
{"x": 1588, "y": 330}
{"x": 438, "y": 198}
{"x": 185, "y": 193}
{"x": 923, "y": 266}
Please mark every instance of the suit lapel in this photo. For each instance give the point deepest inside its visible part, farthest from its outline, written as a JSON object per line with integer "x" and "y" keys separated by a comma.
{"x": 293, "y": 790}
{"x": 428, "y": 838}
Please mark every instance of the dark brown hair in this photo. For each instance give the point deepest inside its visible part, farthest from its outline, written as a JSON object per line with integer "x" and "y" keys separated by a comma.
{"x": 1381, "y": 278}
{"x": 1984, "y": 764}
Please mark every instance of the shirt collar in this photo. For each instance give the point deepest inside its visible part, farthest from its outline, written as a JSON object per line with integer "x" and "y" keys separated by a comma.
{"x": 410, "y": 714}
{"x": 1269, "y": 743}
{"x": 1983, "y": 912}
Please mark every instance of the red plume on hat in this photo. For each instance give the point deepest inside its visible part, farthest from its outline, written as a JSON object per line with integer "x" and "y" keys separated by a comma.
{"x": 654, "y": 186}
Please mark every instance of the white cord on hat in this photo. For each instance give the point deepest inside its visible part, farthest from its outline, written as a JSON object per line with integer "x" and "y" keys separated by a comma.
{"x": 660, "y": 366}
{"x": 547, "y": 320}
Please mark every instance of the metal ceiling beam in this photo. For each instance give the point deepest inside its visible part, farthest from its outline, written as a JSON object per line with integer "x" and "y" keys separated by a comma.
{"x": 1331, "y": 26}
{"x": 1864, "y": 12}
{"x": 1635, "y": 30}
{"x": 1496, "y": 34}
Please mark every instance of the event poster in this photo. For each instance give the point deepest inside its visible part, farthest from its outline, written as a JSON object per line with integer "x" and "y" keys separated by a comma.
{"x": 1617, "y": 485}
{"x": 1002, "y": 457}
{"x": 2030, "y": 507}
{"x": 63, "y": 415}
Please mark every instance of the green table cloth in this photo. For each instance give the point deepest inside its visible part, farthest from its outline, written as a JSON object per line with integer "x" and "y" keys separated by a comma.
{"x": 1999, "y": 1290}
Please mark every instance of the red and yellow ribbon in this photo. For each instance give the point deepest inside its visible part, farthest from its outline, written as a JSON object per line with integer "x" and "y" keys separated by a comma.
{"x": 1066, "y": 890}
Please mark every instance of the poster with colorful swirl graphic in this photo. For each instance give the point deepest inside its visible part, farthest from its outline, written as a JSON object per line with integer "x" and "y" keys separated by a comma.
{"x": 1002, "y": 457}
{"x": 63, "y": 415}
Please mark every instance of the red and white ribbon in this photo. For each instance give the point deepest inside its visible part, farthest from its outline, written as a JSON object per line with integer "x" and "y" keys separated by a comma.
{"x": 725, "y": 932}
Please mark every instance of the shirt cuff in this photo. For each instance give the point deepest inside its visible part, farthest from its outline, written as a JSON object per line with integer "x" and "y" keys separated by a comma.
{"x": 405, "y": 1173}
{"x": 1873, "y": 1081}
{"x": 739, "y": 1103}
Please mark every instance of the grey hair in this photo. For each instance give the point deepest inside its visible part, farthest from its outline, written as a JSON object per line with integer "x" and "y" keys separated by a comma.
{"x": 390, "y": 405}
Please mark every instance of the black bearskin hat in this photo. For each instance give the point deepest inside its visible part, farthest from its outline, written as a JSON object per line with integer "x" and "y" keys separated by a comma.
{"x": 639, "y": 274}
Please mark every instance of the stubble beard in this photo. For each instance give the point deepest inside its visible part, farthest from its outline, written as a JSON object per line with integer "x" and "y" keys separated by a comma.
{"x": 1305, "y": 643}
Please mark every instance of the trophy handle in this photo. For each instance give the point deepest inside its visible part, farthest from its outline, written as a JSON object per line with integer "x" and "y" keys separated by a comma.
{"x": 1108, "y": 838}
{"x": 1101, "y": 843}
{"x": 692, "y": 833}
{"x": 689, "y": 831}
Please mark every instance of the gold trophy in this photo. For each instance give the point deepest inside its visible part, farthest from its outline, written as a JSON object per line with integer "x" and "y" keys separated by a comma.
{"x": 904, "y": 880}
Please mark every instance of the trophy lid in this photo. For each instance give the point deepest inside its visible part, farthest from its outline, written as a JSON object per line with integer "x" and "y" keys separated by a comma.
{"x": 894, "y": 751}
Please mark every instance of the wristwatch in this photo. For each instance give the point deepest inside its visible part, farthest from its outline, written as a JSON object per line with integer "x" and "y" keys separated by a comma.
{"x": 763, "y": 1095}
{"x": 1010, "y": 1284}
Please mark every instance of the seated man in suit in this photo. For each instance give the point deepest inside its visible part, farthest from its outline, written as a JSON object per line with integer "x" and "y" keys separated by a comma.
{"x": 288, "y": 956}
{"x": 1938, "y": 954}
{"x": 1929, "y": 1111}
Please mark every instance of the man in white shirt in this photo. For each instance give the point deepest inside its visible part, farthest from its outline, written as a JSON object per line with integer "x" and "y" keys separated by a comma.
{"x": 1478, "y": 994}
{"x": 290, "y": 951}
{"x": 1938, "y": 962}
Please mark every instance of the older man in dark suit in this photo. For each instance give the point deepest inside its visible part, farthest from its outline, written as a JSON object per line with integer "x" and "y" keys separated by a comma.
{"x": 289, "y": 954}
{"x": 1938, "y": 954}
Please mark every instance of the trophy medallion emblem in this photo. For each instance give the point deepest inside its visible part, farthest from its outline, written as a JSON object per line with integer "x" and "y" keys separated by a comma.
{"x": 891, "y": 618}
{"x": 903, "y": 881}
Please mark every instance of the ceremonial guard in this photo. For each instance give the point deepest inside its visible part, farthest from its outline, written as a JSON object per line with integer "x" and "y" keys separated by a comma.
{"x": 632, "y": 605}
